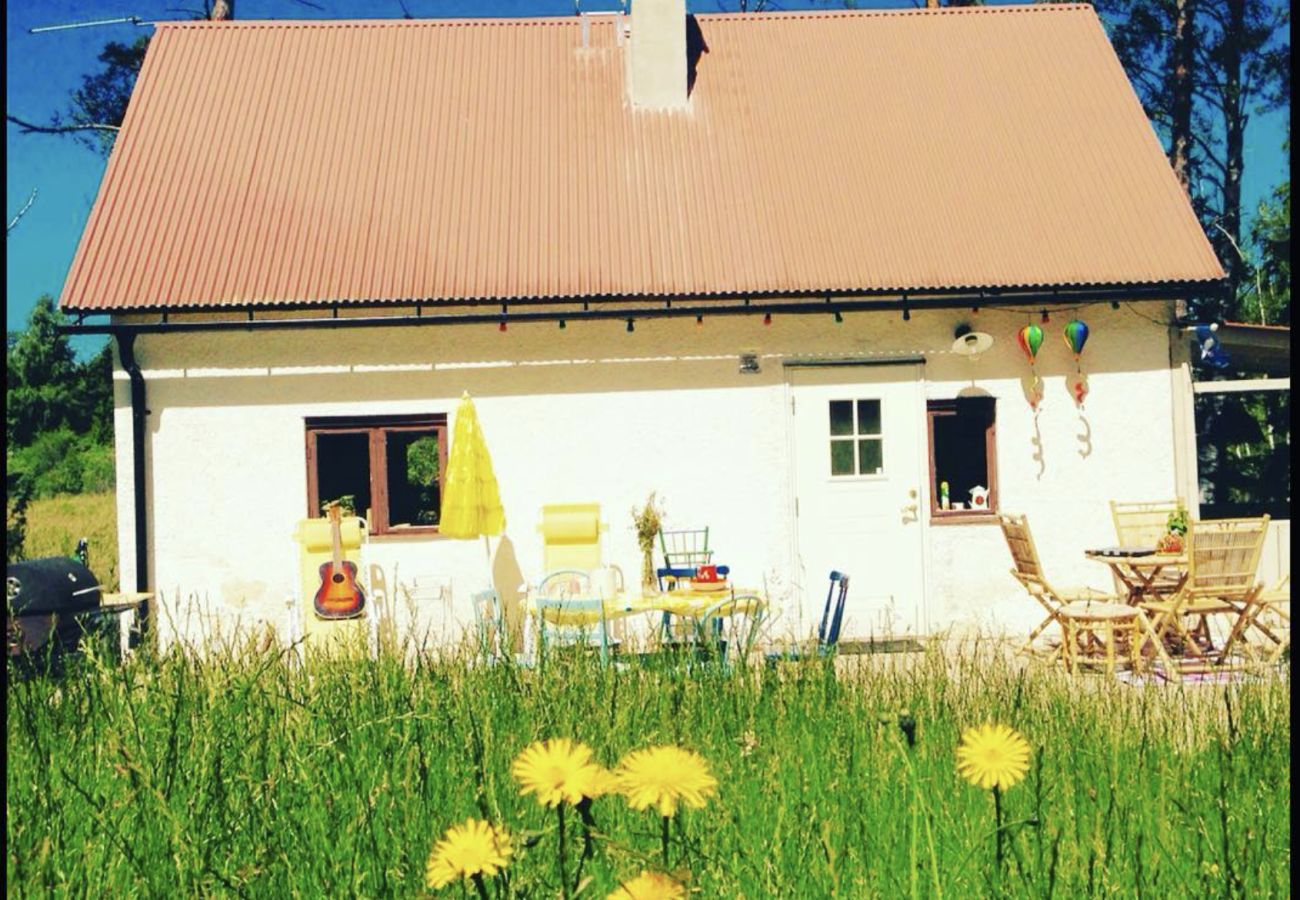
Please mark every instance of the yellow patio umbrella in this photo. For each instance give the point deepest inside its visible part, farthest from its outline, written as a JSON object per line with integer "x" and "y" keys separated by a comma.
{"x": 471, "y": 502}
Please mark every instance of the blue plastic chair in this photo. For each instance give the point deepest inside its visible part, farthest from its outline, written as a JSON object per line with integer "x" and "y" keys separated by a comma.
{"x": 828, "y": 632}
{"x": 568, "y": 613}
{"x": 734, "y": 621}
{"x": 492, "y": 635}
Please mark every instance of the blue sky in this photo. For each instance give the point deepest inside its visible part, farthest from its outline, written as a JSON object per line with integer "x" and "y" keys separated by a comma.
{"x": 42, "y": 69}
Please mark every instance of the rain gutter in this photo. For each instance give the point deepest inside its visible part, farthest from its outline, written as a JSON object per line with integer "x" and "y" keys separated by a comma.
{"x": 126, "y": 352}
{"x": 525, "y": 310}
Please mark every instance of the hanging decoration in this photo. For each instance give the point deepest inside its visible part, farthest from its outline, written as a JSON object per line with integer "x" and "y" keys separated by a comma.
{"x": 1030, "y": 338}
{"x": 1076, "y": 335}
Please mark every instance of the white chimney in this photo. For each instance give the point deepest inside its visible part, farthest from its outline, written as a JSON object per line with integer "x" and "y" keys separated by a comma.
{"x": 656, "y": 71}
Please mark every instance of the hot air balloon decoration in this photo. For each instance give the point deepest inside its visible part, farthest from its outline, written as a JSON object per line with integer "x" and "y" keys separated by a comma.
{"x": 1030, "y": 338}
{"x": 1076, "y": 335}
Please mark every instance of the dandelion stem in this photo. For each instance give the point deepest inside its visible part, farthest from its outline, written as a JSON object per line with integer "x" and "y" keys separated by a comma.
{"x": 997, "y": 815}
{"x": 663, "y": 837}
{"x": 588, "y": 845}
{"x": 482, "y": 888}
{"x": 564, "y": 885}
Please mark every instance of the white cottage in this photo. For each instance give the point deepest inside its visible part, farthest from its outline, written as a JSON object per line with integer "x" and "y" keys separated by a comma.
{"x": 720, "y": 257}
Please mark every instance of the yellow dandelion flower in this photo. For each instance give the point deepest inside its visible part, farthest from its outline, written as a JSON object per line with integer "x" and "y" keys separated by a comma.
{"x": 474, "y": 848}
{"x": 992, "y": 756}
{"x": 663, "y": 776}
{"x": 649, "y": 886}
{"x": 558, "y": 771}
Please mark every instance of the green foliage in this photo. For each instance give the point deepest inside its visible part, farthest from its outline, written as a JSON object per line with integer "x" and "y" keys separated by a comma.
{"x": 1271, "y": 235}
{"x": 62, "y": 462}
{"x": 17, "y": 496}
{"x": 103, "y": 96}
{"x": 245, "y": 776}
{"x": 422, "y": 475}
{"x": 59, "y": 413}
{"x": 1178, "y": 520}
{"x": 1244, "y": 453}
{"x": 347, "y": 504}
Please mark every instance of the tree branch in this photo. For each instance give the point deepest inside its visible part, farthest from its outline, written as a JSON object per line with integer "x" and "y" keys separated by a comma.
{"x": 32, "y": 128}
{"x": 22, "y": 212}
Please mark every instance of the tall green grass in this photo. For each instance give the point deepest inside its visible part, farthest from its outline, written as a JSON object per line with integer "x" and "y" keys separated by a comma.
{"x": 246, "y": 775}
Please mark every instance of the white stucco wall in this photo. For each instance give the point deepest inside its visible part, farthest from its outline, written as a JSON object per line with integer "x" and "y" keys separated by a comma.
{"x": 593, "y": 413}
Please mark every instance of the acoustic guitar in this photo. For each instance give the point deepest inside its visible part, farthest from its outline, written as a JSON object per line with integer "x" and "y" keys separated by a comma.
{"x": 339, "y": 597}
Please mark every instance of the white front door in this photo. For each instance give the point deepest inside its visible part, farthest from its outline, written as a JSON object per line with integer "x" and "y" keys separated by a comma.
{"x": 859, "y": 458}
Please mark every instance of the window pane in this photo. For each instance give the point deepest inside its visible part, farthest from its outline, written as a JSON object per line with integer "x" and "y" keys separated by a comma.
{"x": 842, "y": 458}
{"x": 868, "y": 417}
{"x": 841, "y": 417}
{"x": 414, "y": 487}
{"x": 870, "y": 457}
{"x": 343, "y": 470}
{"x": 961, "y": 449}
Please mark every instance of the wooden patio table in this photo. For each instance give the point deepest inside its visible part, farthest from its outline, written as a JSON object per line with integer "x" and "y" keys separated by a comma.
{"x": 1138, "y": 569}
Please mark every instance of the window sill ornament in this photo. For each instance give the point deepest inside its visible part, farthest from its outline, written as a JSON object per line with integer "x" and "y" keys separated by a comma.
{"x": 979, "y": 498}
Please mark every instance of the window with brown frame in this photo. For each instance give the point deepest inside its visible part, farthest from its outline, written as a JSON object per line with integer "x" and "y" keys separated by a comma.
{"x": 963, "y": 454}
{"x": 390, "y": 466}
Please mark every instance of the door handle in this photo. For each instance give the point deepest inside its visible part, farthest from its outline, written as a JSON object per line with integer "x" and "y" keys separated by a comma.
{"x": 911, "y": 508}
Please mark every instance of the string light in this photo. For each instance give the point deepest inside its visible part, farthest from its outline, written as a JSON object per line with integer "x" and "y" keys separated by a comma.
{"x": 907, "y": 314}
{"x": 767, "y": 318}
{"x": 1046, "y": 318}
{"x": 699, "y": 320}
{"x": 839, "y": 319}
{"x": 975, "y": 310}
{"x": 563, "y": 325}
{"x": 630, "y": 326}
{"x": 1114, "y": 304}
{"x": 502, "y": 326}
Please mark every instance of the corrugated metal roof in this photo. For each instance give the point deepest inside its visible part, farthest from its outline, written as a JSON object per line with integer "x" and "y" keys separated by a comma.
{"x": 266, "y": 163}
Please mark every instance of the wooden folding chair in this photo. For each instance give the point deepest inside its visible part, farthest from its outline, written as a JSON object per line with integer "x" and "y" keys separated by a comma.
{"x": 1142, "y": 524}
{"x": 1270, "y": 616}
{"x": 1093, "y": 624}
{"x": 1222, "y": 561}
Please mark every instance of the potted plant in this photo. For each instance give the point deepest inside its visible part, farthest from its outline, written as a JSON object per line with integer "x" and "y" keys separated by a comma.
{"x": 1174, "y": 540}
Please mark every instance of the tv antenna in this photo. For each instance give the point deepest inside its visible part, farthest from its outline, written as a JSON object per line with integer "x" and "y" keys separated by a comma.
{"x": 128, "y": 20}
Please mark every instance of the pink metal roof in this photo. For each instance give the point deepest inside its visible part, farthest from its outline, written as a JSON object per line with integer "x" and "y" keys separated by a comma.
{"x": 268, "y": 163}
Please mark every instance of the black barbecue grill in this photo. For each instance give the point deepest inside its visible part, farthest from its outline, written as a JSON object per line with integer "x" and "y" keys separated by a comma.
{"x": 52, "y": 603}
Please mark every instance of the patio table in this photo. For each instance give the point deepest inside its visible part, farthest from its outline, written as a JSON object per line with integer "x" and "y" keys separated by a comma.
{"x": 1138, "y": 568}
{"x": 686, "y": 603}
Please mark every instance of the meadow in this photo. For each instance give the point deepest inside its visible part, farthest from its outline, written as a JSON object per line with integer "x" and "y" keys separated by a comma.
{"x": 247, "y": 774}
{"x": 55, "y": 524}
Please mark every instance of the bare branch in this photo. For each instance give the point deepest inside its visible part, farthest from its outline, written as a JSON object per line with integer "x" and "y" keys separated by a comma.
{"x": 22, "y": 212}
{"x": 32, "y": 128}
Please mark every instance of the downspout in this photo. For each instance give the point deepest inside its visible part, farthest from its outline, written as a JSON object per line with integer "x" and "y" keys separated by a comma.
{"x": 126, "y": 351}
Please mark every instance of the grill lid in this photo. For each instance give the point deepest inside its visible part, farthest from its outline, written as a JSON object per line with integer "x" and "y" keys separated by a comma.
{"x": 54, "y": 584}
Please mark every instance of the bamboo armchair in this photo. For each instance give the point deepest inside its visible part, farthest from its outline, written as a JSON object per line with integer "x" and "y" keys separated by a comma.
{"x": 1223, "y": 558}
{"x": 1271, "y": 617}
{"x": 1142, "y": 524}
{"x": 1094, "y": 625}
